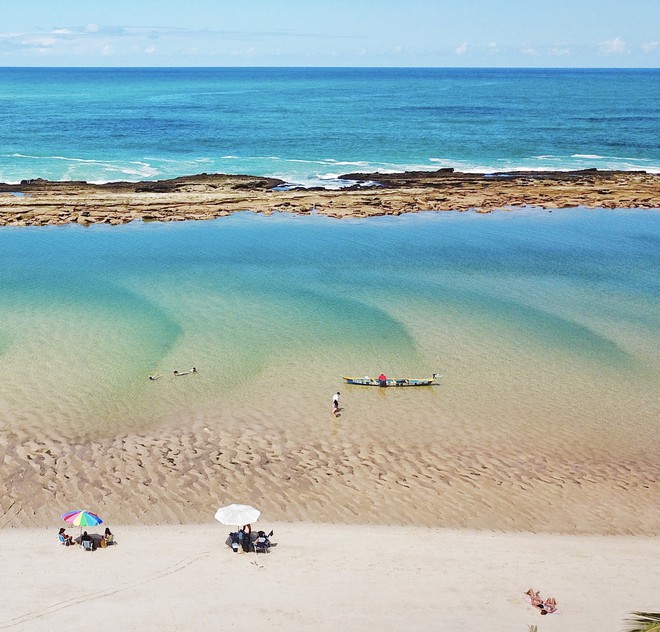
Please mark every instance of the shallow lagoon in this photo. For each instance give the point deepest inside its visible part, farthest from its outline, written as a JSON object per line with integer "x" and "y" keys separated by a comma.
{"x": 533, "y": 318}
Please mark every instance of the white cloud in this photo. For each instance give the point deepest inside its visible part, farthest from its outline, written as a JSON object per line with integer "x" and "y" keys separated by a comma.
{"x": 648, "y": 47}
{"x": 92, "y": 28}
{"x": 559, "y": 51}
{"x": 615, "y": 46}
{"x": 40, "y": 42}
{"x": 529, "y": 50}
{"x": 493, "y": 48}
{"x": 461, "y": 49}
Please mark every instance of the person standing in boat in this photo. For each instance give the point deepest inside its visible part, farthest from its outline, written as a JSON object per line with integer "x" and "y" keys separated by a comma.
{"x": 335, "y": 404}
{"x": 382, "y": 379}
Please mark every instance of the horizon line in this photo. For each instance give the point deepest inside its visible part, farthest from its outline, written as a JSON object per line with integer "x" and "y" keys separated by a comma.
{"x": 287, "y": 67}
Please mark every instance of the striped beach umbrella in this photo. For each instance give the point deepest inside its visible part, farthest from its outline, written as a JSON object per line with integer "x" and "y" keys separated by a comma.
{"x": 81, "y": 518}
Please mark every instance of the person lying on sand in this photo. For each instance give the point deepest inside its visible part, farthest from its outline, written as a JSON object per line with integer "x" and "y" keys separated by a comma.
{"x": 547, "y": 606}
{"x": 534, "y": 598}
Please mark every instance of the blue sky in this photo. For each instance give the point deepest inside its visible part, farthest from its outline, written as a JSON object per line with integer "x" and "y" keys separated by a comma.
{"x": 527, "y": 33}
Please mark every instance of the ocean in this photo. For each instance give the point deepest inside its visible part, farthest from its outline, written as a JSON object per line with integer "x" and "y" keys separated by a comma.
{"x": 309, "y": 126}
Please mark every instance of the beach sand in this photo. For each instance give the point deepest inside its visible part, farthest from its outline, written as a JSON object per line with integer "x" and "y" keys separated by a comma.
{"x": 325, "y": 577}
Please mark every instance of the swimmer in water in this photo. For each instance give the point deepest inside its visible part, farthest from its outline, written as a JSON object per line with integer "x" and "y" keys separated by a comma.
{"x": 178, "y": 373}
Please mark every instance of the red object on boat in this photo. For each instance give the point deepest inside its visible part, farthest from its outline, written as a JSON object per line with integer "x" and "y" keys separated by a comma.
{"x": 382, "y": 377}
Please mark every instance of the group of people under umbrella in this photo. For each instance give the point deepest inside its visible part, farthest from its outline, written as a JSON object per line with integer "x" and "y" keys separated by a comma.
{"x": 81, "y": 518}
{"x": 242, "y": 539}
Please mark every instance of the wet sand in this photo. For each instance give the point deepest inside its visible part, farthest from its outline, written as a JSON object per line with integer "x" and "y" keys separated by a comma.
{"x": 172, "y": 475}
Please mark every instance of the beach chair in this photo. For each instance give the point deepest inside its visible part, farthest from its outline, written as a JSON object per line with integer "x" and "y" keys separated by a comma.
{"x": 233, "y": 541}
{"x": 87, "y": 545}
{"x": 62, "y": 539}
{"x": 262, "y": 543}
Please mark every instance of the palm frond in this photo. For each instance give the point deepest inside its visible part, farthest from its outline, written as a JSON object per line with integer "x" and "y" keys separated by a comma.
{"x": 644, "y": 622}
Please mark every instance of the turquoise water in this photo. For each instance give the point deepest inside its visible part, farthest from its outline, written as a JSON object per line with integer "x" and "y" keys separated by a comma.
{"x": 308, "y": 126}
{"x": 567, "y": 298}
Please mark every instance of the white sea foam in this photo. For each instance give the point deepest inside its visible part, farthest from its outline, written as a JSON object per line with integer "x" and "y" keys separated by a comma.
{"x": 298, "y": 172}
{"x": 348, "y": 163}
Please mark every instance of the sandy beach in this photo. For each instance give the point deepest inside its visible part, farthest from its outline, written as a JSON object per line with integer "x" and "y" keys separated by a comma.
{"x": 40, "y": 202}
{"x": 325, "y": 577}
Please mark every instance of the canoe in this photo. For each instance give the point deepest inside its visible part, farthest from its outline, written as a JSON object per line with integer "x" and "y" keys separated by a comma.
{"x": 391, "y": 381}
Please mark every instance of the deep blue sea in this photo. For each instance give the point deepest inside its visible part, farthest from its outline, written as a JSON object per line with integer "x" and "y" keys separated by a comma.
{"x": 307, "y": 126}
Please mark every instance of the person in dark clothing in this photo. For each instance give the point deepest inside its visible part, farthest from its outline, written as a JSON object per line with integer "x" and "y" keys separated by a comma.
{"x": 247, "y": 538}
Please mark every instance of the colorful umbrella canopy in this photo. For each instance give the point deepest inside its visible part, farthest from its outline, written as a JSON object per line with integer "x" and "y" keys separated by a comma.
{"x": 237, "y": 514}
{"x": 81, "y": 518}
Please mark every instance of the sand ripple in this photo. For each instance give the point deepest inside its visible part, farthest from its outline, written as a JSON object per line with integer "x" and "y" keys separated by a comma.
{"x": 181, "y": 476}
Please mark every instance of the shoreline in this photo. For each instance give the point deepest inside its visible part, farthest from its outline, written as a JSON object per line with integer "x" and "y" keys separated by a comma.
{"x": 208, "y": 196}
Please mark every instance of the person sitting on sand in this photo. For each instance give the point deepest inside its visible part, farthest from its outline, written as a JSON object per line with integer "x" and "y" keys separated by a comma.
{"x": 68, "y": 540}
{"x": 108, "y": 538}
{"x": 263, "y": 540}
{"x": 85, "y": 537}
{"x": 235, "y": 539}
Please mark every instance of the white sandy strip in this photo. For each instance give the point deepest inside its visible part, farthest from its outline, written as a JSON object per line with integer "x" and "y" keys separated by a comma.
{"x": 324, "y": 577}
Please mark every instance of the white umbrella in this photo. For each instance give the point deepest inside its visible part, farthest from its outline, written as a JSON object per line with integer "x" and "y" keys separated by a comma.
{"x": 237, "y": 514}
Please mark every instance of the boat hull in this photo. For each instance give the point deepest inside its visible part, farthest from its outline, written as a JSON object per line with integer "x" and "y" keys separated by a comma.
{"x": 396, "y": 382}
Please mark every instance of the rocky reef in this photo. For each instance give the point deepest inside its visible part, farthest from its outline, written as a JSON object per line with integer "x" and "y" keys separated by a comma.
{"x": 206, "y": 196}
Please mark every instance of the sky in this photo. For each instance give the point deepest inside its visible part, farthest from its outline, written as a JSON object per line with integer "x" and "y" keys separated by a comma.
{"x": 422, "y": 33}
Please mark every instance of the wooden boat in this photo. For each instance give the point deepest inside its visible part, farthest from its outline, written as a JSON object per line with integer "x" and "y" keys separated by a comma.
{"x": 390, "y": 381}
